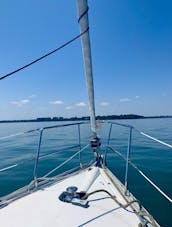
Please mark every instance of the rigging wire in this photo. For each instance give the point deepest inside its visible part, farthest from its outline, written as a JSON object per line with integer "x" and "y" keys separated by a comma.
{"x": 45, "y": 55}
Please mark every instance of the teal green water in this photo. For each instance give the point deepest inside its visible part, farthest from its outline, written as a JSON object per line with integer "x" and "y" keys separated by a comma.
{"x": 153, "y": 159}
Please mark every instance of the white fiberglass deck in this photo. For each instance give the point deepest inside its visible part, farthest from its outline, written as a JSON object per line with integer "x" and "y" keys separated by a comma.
{"x": 44, "y": 209}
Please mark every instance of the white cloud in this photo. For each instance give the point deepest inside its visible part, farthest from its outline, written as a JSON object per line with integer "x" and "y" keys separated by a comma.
{"x": 125, "y": 100}
{"x": 31, "y": 96}
{"x": 81, "y": 104}
{"x": 21, "y": 102}
{"x": 56, "y": 102}
{"x": 69, "y": 107}
{"x": 104, "y": 104}
{"x": 24, "y": 101}
{"x": 137, "y": 97}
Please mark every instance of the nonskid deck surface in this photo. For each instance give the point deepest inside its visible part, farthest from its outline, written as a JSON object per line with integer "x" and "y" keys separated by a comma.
{"x": 44, "y": 209}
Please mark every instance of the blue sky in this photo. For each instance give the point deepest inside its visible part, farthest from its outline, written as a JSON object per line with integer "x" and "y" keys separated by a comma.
{"x": 131, "y": 49}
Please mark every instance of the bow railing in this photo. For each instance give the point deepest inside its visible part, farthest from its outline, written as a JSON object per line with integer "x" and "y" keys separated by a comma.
{"x": 128, "y": 153}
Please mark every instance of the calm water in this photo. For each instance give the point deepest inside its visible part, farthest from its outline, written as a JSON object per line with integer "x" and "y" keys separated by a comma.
{"x": 153, "y": 159}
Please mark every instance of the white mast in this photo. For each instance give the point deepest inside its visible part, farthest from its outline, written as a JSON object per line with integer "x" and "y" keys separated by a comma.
{"x": 84, "y": 26}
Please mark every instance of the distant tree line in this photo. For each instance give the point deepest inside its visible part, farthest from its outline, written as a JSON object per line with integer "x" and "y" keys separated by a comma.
{"x": 86, "y": 118}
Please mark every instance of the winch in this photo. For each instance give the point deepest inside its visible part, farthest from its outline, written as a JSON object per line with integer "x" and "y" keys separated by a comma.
{"x": 72, "y": 196}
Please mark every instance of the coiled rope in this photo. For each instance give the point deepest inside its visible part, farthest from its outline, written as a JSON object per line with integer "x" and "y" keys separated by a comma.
{"x": 140, "y": 213}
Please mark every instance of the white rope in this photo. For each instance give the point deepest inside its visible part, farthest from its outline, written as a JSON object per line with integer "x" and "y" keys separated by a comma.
{"x": 8, "y": 167}
{"x": 136, "y": 168}
{"x": 151, "y": 182}
{"x": 157, "y": 140}
{"x": 66, "y": 161}
{"x": 17, "y": 134}
{"x": 154, "y": 185}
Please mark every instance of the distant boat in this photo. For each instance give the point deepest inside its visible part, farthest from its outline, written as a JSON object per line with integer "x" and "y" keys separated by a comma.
{"x": 87, "y": 196}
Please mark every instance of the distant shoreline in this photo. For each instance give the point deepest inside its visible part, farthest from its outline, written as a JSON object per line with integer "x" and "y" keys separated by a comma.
{"x": 107, "y": 117}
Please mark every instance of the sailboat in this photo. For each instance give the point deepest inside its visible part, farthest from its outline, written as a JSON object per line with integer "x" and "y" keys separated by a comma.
{"x": 90, "y": 195}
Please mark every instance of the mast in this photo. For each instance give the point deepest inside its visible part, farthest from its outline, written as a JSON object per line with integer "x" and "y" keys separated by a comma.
{"x": 85, "y": 39}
